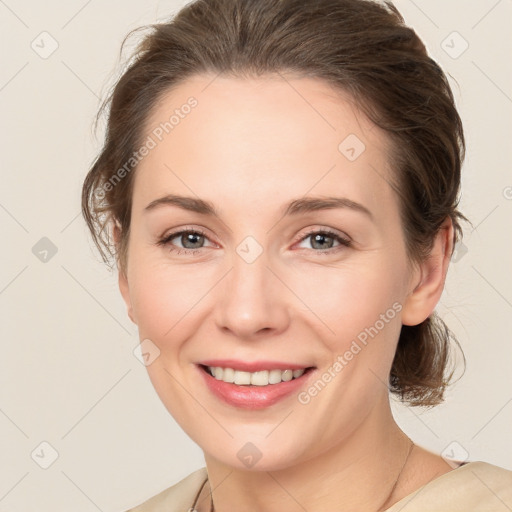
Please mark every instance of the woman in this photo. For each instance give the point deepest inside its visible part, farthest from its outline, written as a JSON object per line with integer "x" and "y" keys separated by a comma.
{"x": 279, "y": 187}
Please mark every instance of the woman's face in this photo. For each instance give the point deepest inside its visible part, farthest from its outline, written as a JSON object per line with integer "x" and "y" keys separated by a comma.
{"x": 273, "y": 279}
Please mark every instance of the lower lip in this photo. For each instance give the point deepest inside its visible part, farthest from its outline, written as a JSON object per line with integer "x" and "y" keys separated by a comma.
{"x": 253, "y": 397}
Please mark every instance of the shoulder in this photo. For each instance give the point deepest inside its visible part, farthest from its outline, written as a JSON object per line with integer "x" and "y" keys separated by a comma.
{"x": 476, "y": 486}
{"x": 177, "y": 498}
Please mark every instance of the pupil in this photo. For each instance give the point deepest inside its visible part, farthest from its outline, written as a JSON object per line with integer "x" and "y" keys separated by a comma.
{"x": 189, "y": 237}
{"x": 319, "y": 238}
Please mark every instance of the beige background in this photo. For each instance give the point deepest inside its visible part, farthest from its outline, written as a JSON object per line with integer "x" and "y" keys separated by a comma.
{"x": 68, "y": 375}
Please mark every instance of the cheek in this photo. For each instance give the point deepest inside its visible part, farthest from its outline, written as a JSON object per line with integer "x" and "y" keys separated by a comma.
{"x": 165, "y": 298}
{"x": 167, "y": 302}
{"x": 348, "y": 300}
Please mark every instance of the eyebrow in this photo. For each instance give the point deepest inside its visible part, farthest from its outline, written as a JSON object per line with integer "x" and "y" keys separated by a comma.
{"x": 294, "y": 207}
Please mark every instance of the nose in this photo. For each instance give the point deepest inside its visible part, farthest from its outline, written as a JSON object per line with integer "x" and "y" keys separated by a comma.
{"x": 252, "y": 301}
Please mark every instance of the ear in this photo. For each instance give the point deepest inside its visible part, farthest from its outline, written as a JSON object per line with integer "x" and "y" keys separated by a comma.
{"x": 124, "y": 287}
{"x": 429, "y": 278}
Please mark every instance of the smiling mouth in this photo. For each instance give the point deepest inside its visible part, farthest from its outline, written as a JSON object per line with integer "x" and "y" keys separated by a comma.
{"x": 259, "y": 378}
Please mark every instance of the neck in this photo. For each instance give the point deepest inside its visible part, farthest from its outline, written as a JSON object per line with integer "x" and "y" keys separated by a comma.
{"x": 359, "y": 472}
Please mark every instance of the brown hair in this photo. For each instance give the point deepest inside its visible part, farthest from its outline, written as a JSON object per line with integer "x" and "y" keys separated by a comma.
{"x": 360, "y": 47}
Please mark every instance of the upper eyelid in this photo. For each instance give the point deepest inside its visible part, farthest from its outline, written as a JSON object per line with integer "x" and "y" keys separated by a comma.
{"x": 327, "y": 231}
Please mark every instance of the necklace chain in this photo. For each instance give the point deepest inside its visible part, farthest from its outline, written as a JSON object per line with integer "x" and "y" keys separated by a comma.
{"x": 380, "y": 509}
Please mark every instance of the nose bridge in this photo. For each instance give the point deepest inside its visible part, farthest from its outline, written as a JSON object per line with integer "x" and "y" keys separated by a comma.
{"x": 253, "y": 300}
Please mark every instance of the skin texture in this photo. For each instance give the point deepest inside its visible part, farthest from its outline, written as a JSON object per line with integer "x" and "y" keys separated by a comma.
{"x": 250, "y": 146}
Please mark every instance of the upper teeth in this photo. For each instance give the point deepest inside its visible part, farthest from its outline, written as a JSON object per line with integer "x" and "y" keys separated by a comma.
{"x": 262, "y": 378}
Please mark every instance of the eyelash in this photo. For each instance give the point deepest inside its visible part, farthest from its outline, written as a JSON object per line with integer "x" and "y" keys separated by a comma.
{"x": 165, "y": 241}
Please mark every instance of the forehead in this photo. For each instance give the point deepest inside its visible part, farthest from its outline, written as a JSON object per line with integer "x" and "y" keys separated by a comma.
{"x": 273, "y": 137}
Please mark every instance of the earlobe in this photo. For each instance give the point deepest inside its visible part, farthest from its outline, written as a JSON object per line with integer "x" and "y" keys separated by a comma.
{"x": 429, "y": 278}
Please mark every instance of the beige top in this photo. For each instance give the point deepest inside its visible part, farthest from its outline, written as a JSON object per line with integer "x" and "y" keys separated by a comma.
{"x": 474, "y": 487}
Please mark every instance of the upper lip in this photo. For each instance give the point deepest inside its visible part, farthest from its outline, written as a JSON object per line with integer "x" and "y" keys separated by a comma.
{"x": 254, "y": 366}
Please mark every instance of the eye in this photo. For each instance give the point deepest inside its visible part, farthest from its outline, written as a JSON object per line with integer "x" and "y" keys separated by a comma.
{"x": 191, "y": 241}
{"x": 325, "y": 239}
